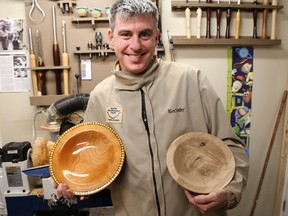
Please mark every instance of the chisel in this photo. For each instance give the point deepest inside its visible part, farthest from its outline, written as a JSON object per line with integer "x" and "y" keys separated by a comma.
{"x": 238, "y": 20}
{"x": 40, "y": 63}
{"x": 65, "y": 61}
{"x": 218, "y": 17}
{"x": 273, "y": 20}
{"x": 208, "y": 26}
{"x": 33, "y": 65}
{"x": 228, "y": 20}
{"x": 56, "y": 53}
{"x": 255, "y": 16}
{"x": 199, "y": 16}
{"x": 264, "y": 20}
{"x": 188, "y": 22}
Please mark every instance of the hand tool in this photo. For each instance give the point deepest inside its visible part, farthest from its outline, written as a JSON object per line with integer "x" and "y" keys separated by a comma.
{"x": 199, "y": 16}
{"x": 40, "y": 63}
{"x": 255, "y": 16}
{"x": 106, "y": 47}
{"x": 264, "y": 20}
{"x": 90, "y": 47}
{"x": 188, "y": 22}
{"x": 208, "y": 23}
{"x": 238, "y": 20}
{"x": 273, "y": 20}
{"x": 33, "y": 65}
{"x": 65, "y": 61}
{"x": 228, "y": 20}
{"x": 98, "y": 39}
{"x": 56, "y": 53}
{"x": 218, "y": 17}
{"x": 35, "y": 5}
{"x": 171, "y": 47}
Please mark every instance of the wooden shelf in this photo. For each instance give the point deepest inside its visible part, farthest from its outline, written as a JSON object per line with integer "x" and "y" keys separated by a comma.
{"x": 182, "y": 5}
{"x": 45, "y": 100}
{"x": 90, "y": 20}
{"x": 245, "y": 41}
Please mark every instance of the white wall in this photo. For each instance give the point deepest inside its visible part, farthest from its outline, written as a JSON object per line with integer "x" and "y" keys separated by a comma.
{"x": 270, "y": 80}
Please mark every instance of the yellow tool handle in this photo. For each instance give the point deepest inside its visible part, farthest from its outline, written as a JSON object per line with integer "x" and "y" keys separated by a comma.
{"x": 65, "y": 73}
{"x": 188, "y": 23}
{"x": 34, "y": 75}
{"x": 237, "y": 31}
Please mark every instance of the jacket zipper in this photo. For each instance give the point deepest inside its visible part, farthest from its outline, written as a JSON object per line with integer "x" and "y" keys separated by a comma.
{"x": 145, "y": 120}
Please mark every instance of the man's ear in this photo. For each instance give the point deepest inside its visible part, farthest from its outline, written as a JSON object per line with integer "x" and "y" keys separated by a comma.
{"x": 157, "y": 36}
{"x": 110, "y": 38}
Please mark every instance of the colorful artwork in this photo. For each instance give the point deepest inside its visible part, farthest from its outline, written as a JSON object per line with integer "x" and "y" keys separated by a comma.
{"x": 240, "y": 87}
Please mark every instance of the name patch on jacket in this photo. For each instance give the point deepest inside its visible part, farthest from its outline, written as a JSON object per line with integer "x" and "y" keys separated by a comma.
{"x": 176, "y": 110}
{"x": 114, "y": 114}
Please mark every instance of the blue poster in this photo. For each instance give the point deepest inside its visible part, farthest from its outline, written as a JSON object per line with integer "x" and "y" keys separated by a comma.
{"x": 240, "y": 88}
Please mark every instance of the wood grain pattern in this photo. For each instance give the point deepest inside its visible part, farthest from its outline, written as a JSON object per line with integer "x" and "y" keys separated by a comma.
{"x": 87, "y": 157}
{"x": 200, "y": 162}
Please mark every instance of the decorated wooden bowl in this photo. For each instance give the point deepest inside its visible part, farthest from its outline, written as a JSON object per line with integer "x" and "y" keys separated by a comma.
{"x": 87, "y": 157}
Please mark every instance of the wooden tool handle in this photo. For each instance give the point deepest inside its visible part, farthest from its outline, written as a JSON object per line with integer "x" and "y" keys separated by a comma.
{"x": 237, "y": 30}
{"x": 34, "y": 74}
{"x": 199, "y": 16}
{"x": 65, "y": 73}
{"x": 218, "y": 16}
{"x": 273, "y": 20}
{"x": 208, "y": 24}
{"x": 188, "y": 27}
{"x": 42, "y": 81}
{"x": 264, "y": 20}
{"x": 255, "y": 18}
{"x": 228, "y": 21}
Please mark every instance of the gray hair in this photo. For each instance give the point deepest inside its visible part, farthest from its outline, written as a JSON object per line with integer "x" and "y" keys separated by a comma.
{"x": 127, "y": 9}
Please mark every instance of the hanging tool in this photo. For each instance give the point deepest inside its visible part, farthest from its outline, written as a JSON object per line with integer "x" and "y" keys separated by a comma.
{"x": 98, "y": 39}
{"x": 188, "y": 22}
{"x": 35, "y": 5}
{"x": 78, "y": 75}
{"x": 255, "y": 18}
{"x": 106, "y": 47}
{"x": 33, "y": 65}
{"x": 228, "y": 20}
{"x": 208, "y": 18}
{"x": 238, "y": 20}
{"x": 273, "y": 20}
{"x": 65, "y": 61}
{"x": 171, "y": 47}
{"x": 276, "y": 125}
{"x": 40, "y": 63}
{"x": 90, "y": 47}
{"x": 264, "y": 20}
{"x": 218, "y": 17}
{"x": 199, "y": 16}
{"x": 56, "y": 53}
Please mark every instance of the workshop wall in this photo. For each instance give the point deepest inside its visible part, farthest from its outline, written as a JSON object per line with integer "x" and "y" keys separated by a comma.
{"x": 270, "y": 80}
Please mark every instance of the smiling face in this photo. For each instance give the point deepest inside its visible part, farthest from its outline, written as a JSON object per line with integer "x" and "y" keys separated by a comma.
{"x": 134, "y": 41}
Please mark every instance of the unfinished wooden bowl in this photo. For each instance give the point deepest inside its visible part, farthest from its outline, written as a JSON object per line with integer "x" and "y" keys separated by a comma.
{"x": 87, "y": 157}
{"x": 200, "y": 162}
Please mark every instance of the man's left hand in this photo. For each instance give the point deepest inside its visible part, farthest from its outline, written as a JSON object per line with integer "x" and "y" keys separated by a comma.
{"x": 210, "y": 202}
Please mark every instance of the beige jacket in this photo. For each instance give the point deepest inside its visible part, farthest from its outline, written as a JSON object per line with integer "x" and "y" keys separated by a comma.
{"x": 177, "y": 99}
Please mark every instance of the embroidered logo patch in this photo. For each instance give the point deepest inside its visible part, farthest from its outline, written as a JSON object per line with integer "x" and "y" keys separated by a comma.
{"x": 114, "y": 114}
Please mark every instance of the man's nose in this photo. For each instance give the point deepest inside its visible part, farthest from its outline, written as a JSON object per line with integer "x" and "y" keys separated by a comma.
{"x": 135, "y": 43}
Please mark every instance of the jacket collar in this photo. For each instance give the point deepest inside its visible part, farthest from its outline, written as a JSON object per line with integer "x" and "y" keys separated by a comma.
{"x": 128, "y": 81}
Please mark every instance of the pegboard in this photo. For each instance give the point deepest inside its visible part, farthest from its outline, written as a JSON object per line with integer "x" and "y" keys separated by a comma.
{"x": 78, "y": 34}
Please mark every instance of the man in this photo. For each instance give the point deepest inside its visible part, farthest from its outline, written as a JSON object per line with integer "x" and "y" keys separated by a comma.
{"x": 146, "y": 90}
